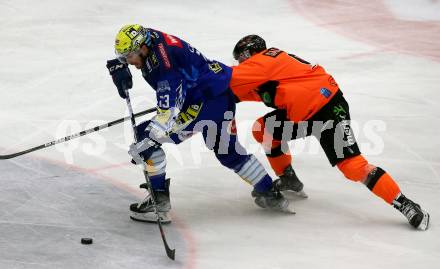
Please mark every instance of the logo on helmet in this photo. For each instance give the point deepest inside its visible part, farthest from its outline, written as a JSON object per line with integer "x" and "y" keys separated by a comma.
{"x": 132, "y": 33}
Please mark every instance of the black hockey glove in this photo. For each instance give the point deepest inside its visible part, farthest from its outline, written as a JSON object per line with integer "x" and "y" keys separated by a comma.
{"x": 121, "y": 76}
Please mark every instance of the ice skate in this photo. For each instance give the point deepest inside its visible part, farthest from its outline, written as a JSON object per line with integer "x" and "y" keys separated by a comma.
{"x": 274, "y": 200}
{"x": 417, "y": 217}
{"x": 290, "y": 182}
{"x": 145, "y": 211}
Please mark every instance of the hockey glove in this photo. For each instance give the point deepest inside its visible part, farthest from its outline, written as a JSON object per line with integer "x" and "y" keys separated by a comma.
{"x": 121, "y": 76}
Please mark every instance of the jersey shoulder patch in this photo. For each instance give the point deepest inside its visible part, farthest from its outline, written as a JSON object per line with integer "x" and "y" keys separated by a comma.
{"x": 272, "y": 52}
{"x": 172, "y": 41}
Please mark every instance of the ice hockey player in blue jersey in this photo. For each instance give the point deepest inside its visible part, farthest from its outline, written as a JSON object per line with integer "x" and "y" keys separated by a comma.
{"x": 192, "y": 96}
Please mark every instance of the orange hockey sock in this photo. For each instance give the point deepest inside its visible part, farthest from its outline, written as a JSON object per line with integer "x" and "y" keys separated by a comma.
{"x": 355, "y": 168}
{"x": 381, "y": 184}
{"x": 279, "y": 163}
{"x": 278, "y": 159}
{"x": 375, "y": 178}
{"x": 263, "y": 137}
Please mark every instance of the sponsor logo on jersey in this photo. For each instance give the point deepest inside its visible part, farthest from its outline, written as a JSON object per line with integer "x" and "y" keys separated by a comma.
{"x": 266, "y": 98}
{"x": 267, "y": 92}
{"x": 164, "y": 55}
{"x": 155, "y": 34}
{"x": 152, "y": 62}
{"x": 215, "y": 67}
{"x": 163, "y": 86}
{"x": 148, "y": 65}
{"x": 173, "y": 41}
{"x": 326, "y": 92}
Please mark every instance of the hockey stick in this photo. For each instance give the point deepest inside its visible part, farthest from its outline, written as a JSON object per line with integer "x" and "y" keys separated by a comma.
{"x": 170, "y": 252}
{"x": 82, "y": 133}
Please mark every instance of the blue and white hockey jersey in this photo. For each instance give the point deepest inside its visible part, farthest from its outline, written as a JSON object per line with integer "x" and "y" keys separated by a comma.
{"x": 180, "y": 74}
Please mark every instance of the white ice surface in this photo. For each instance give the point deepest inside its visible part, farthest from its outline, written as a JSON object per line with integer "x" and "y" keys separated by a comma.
{"x": 53, "y": 76}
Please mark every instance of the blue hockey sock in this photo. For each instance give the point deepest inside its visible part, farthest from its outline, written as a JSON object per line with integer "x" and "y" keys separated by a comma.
{"x": 158, "y": 182}
{"x": 264, "y": 185}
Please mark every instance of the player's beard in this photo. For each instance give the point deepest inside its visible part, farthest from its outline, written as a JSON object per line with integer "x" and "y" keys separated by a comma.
{"x": 142, "y": 62}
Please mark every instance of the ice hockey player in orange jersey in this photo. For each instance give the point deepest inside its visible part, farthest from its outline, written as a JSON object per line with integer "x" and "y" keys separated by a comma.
{"x": 307, "y": 101}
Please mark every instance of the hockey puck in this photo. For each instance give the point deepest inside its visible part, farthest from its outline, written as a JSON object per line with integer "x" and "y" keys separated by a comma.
{"x": 86, "y": 241}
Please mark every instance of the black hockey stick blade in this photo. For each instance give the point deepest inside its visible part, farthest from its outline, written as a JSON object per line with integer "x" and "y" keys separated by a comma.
{"x": 171, "y": 253}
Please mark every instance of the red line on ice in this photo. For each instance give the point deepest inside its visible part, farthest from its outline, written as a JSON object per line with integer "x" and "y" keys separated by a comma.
{"x": 371, "y": 22}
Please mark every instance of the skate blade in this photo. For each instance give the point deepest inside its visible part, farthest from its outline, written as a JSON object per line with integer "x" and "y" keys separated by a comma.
{"x": 299, "y": 194}
{"x": 424, "y": 225}
{"x": 287, "y": 208}
{"x": 290, "y": 209}
{"x": 150, "y": 217}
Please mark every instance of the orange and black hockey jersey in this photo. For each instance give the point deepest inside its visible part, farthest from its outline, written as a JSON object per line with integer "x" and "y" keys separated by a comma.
{"x": 283, "y": 81}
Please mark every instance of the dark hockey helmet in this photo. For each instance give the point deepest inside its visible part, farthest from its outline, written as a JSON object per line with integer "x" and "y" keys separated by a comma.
{"x": 248, "y": 46}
